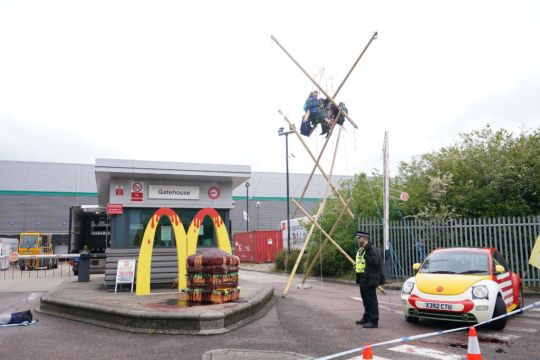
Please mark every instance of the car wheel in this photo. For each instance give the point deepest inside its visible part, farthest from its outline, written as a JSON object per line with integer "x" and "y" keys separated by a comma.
{"x": 500, "y": 309}
{"x": 411, "y": 319}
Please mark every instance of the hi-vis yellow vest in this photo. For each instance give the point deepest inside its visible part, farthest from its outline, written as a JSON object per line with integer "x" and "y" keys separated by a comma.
{"x": 360, "y": 261}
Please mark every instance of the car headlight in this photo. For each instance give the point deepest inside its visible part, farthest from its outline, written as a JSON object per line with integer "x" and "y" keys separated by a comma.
{"x": 407, "y": 287}
{"x": 480, "y": 292}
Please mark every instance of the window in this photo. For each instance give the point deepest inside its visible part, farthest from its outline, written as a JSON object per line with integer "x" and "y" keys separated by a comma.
{"x": 498, "y": 259}
{"x": 128, "y": 229}
{"x": 450, "y": 262}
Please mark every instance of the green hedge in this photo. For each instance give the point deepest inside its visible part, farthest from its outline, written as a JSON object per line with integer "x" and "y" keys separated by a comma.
{"x": 284, "y": 261}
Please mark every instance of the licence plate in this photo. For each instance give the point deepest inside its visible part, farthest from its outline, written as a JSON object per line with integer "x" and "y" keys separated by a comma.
{"x": 439, "y": 306}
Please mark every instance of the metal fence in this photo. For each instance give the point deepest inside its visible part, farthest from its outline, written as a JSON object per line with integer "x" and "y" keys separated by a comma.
{"x": 412, "y": 240}
{"x": 12, "y": 270}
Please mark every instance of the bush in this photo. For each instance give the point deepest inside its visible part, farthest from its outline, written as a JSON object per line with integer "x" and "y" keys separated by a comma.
{"x": 285, "y": 261}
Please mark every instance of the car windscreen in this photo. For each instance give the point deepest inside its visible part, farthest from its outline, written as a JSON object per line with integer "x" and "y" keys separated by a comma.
{"x": 29, "y": 241}
{"x": 453, "y": 262}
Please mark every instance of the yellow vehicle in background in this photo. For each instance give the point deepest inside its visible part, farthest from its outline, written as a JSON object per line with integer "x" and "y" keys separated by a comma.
{"x": 36, "y": 243}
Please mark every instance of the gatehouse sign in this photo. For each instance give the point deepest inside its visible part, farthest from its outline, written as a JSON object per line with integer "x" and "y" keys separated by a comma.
{"x": 173, "y": 192}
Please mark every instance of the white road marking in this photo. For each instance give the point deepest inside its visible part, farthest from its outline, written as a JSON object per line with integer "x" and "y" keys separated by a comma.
{"x": 425, "y": 352}
{"x": 520, "y": 329}
{"x": 499, "y": 336}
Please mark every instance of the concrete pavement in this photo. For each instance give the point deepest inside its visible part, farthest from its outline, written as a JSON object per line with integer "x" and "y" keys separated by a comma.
{"x": 165, "y": 311}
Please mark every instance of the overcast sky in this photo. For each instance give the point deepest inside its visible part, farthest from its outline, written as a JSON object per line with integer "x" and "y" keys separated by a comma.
{"x": 201, "y": 81}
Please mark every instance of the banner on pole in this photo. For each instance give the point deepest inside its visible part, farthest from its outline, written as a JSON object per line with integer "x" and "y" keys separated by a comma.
{"x": 534, "y": 260}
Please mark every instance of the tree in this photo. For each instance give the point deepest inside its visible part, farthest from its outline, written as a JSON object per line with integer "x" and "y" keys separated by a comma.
{"x": 487, "y": 173}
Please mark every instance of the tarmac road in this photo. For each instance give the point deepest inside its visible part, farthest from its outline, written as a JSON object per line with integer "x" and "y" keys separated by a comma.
{"x": 316, "y": 322}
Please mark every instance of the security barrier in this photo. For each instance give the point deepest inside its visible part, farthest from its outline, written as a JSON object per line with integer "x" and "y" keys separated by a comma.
{"x": 11, "y": 271}
{"x": 421, "y": 336}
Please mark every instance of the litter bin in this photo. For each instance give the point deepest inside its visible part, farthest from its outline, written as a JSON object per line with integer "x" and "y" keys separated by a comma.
{"x": 84, "y": 266}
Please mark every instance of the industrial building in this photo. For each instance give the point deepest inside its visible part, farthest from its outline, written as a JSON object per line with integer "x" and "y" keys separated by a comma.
{"x": 38, "y": 195}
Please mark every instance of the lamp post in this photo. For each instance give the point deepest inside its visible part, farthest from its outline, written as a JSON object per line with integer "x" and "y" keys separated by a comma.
{"x": 247, "y": 206}
{"x": 286, "y": 133}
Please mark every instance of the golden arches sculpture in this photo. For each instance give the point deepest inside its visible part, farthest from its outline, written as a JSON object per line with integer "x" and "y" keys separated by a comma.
{"x": 186, "y": 243}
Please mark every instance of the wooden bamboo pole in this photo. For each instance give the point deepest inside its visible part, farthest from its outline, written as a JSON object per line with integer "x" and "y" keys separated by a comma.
{"x": 310, "y": 218}
{"x": 328, "y": 237}
{"x": 313, "y": 81}
{"x": 314, "y": 261}
{"x": 312, "y": 228}
{"x": 323, "y": 173}
{"x": 373, "y": 37}
{"x": 315, "y": 166}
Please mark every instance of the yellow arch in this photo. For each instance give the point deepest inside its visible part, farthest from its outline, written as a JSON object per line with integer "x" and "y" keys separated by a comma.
{"x": 219, "y": 226}
{"x": 147, "y": 245}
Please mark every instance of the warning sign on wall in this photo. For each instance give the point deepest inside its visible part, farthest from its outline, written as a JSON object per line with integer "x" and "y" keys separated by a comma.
{"x": 137, "y": 191}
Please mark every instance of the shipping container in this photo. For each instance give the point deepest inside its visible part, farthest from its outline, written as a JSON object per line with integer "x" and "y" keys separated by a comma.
{"x": 257, "y": 246}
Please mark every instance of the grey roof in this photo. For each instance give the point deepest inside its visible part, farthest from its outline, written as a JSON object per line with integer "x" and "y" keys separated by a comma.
{"x": 62, "y": 177}
{"x": 45, "y": 176}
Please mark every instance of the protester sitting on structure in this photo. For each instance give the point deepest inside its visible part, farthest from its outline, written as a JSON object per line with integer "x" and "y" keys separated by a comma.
{"x": 315, "y": 114}
{"x": 332, "y": 111}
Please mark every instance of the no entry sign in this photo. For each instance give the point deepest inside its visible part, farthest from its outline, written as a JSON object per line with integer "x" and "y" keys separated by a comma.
{"x": 213, "y": 193}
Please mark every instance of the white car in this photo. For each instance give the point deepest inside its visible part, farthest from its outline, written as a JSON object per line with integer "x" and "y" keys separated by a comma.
{"x": 462, "y": 284}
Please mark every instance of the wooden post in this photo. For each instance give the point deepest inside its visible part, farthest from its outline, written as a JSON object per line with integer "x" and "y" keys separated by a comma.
{"x": 343, "y": 252}
{"x": 315, "y": 166}
{"x": 313, "y": 81}
{"x": 314, "y": 261}
{"x": 323, "y": 173}
{"x": 373, "y": 37}
{"x": 312, "y": 228}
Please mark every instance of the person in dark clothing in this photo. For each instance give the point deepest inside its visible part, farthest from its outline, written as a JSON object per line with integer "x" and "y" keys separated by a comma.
{"x": 16, "y": 318}
{"x": 316, "y": 114}
{"x": 368, "y": 274}
{"x": 334, "y": 115}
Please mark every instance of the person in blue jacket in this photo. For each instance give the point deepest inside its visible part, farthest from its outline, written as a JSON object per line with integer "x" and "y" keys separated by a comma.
{"x": 314, "y": 106}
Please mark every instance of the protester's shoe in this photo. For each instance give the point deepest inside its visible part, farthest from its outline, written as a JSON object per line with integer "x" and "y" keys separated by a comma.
{"x": 370, "y": 325}
{"x": 361, "y": 322}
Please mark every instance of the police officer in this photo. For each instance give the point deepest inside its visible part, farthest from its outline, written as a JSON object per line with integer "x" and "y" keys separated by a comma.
{"x": 368, "y": 274}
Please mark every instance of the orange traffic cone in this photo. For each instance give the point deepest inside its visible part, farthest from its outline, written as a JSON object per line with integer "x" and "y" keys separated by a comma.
{"x": 367, "y": 353}
{"x": 473, "y": 350}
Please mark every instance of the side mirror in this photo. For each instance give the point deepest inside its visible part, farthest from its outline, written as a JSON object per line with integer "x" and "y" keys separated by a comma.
{"x": 416, "y": 266}
{"x": 499, "y": 269}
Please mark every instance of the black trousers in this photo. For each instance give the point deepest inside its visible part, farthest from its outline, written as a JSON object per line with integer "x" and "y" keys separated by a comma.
{"x": 371, "y": 304}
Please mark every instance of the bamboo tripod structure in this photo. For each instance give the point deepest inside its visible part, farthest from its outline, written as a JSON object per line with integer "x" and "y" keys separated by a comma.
{"x": 313, "y": 224}
{"x": 346, "y": 208}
